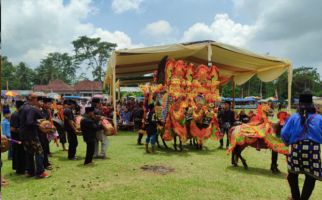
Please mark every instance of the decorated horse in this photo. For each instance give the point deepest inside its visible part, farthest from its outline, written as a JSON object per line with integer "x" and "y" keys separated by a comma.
{"x": 184, "y": 97}
{"x": 259, "y": 133}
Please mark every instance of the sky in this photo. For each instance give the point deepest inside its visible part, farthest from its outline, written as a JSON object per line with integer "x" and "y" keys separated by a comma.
{"x": 289, "y": 29}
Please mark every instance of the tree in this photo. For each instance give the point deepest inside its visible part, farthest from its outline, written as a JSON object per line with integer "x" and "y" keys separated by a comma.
{"x": 56, "y": 66}
{"x": 24, "y": 77}
{"x": 7, "y": 74}
{"x": 94, "y": 52}
{"x": 306, "y": 78}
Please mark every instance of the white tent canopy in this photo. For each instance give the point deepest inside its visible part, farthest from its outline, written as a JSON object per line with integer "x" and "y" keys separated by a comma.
{"x": 233, "y": 63}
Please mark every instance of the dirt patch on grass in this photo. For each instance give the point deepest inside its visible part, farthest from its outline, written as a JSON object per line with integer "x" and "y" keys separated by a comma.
{"x": 157, "y": 169}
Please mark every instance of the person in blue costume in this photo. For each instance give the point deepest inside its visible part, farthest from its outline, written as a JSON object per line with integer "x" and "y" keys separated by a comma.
{"x": 303, "y": 131}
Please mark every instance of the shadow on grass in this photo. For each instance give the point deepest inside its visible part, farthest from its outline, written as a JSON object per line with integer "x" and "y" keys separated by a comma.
{"x": 257, "y": 172}
{"x": 13, "y": 177}
{"x": 61, "y": 157}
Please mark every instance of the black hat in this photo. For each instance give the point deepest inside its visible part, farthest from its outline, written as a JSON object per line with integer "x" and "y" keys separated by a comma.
{"x": 47, "y": 99}
{"x": 89, "y": 109}
{"x": 67, "y": 102}
{"x": 306, "y": 99}
{"x": 73, "y": 102}
{"x": 96, "y": 100}
{"x": 19, "y": 103}
{"x": 40, "y": 98}
{"x": 151, "y": 106}
{"x": 228, "y": 102}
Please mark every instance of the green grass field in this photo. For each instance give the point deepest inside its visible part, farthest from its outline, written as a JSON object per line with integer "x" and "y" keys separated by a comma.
{"x": 205, "y": 174}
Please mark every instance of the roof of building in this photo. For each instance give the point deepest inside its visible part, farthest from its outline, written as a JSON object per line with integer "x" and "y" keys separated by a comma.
{"x": 54, "y": 86}
{"x": 87, "y": 85}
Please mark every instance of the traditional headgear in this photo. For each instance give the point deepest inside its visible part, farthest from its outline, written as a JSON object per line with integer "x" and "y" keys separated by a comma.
{"x": 89, "y": 109}
{"x": 19, "y": 103}
{"x": 306, "y": 99}
{"x": 151, "y": 106}
{"x": 96, "y": 100}
{"x": 73, "y": 102}
{"x": 67, "y": 102}
{"x": 47, "y": 99}
{"x": 6, "y": 111}
{"x": 40, "y": 98}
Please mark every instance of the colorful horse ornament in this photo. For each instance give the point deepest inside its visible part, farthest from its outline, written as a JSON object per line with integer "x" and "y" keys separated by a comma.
{"x": 259, "y": 133}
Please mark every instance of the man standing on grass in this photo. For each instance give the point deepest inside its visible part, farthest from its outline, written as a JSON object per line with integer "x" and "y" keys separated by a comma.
{"x": 5, "y": 126}
{"x": 89, "y": 128}
{"x": 226, "y": 120}
{"x": 46, "y": 113}
{"x": 28, "y": 118}
{"x": 18, "y": 152}
{"x": 70, "y": 128}
{"x": 100, "y": 136}
{"x": 151, "y": 129}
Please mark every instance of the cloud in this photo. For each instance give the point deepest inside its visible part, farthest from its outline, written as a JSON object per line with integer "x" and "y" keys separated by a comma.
{"x": 120, "y": 6}
{"x": 222, "y": 29}
{"x": 33, "y": 28}
{"x": 158, "y": 29}
{"x": 120, "y": 38}
{"x": 290, "y": 28}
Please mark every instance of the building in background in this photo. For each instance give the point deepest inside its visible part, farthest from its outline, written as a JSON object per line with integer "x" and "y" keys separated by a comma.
{"x": 85, "y": 88}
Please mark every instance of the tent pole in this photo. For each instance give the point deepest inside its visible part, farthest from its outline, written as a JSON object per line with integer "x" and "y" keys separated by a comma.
{"x": 209, "y": 55}
{"x": 114, "y": 100}
{"x": 289, "y": 88}
{"x": 119, "y": 90}
{"x": 234, "y": 94}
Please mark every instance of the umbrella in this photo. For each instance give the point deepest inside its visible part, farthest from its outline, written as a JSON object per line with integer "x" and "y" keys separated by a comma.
{"x": 40, "y": 94}
{"x": 11, "y": 94}
{"x": 25, "y": 93}
{"x": 98, "y": 96}
{"x": 54, "y": 95}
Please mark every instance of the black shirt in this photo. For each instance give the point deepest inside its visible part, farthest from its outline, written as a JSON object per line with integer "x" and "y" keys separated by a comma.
{"x": 14, "y": 122}
{"x": 226, "y": 116}
{"x": 89, "y": 129}
{"x": 68, "y": 116}
{"x": 151, "y": 127}
{"x": 46, "y": 114}
{"x": 28, "y": 118}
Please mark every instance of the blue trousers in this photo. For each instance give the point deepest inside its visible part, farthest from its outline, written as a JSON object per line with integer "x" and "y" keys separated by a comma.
{"x": 151, "y": 138}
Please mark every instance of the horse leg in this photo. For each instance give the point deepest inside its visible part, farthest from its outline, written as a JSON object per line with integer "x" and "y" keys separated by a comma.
{"x": 241, "y": 158}
{"x": 195, "y": 143}
{"x": 180, "y": 145}
{"x": 175, "y": 143}
{"x": 234, "y": 157}
{"x": 165, "y": 144}
{"x": 157, "y": 140}
{"x": 200, "y": 146}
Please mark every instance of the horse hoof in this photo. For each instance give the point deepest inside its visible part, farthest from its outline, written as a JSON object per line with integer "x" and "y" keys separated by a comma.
{"x": 234, "y": 164}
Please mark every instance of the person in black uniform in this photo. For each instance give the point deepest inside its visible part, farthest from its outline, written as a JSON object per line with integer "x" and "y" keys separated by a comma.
{"x": 89, "y": 128}
{"x": 226, "y": 119}
{"x": 70, "y": 128}
{"x": 274, "y": 165}
{"x": 19, "y": 154}
{"x": 151, "y": 129}
{"x": 46, "y": 114}
{"x": 28, "y": 128}
{"x": 138, "y": 117}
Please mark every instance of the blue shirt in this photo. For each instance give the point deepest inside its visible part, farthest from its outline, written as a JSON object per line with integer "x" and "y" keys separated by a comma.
{"x": 293, "y": 130}
{"x": 5, "y": 124}
{"x": 126, "y": 117}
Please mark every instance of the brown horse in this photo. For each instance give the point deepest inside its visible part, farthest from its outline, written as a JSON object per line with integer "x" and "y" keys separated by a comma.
{"x": 259, "y": 133}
